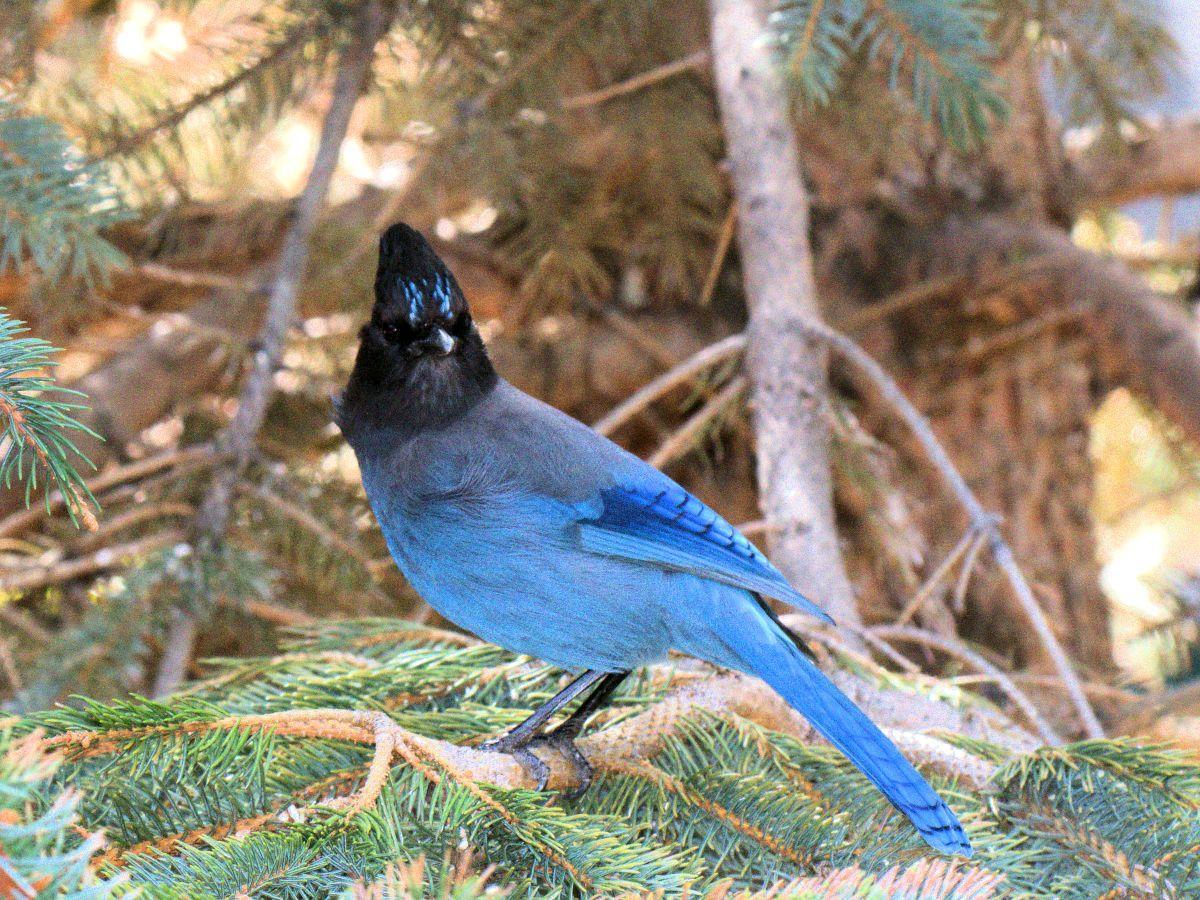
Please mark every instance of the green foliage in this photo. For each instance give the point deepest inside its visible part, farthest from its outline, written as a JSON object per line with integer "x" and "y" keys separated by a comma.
{"x": 38, "y": 418}
{"x": 55, "y": 204}
{"x": 1107, "y": 54}
{"x": 197, "y": 803}
{"x": 41, "y": 853}
{"x": 939, "y": 49}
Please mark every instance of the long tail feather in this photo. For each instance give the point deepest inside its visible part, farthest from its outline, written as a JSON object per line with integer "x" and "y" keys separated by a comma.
{"x": 770, "y": 655}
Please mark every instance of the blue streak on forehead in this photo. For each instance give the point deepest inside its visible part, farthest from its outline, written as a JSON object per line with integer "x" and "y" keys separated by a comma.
{"x": 415, "y": 290}
{"x": 412, "y": 295}
{"x": 441, "y": 293}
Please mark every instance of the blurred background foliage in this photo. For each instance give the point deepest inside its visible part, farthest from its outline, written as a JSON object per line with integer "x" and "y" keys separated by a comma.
{"x": 972, "y": 165}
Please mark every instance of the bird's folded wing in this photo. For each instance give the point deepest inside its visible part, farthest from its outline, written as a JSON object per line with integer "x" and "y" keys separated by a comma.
{"x": 656, "y": 521}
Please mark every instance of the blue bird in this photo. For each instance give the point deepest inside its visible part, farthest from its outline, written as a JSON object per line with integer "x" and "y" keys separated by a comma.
{"x": 529, "y": 529}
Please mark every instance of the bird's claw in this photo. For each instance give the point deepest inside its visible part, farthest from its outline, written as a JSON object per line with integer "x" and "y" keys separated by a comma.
{"x": 521, "y": 749}
{"x": 518, "y": 747}
{"x": 565, "y": 744}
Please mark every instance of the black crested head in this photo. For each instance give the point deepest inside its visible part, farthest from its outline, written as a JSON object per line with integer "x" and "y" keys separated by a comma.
{"x": 421, "y": 362}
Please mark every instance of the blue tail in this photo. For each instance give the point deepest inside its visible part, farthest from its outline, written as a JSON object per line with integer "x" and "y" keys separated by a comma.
{"x": 770, "y": 654}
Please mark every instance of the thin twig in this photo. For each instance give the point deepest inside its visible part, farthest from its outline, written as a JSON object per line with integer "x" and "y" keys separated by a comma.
{"x": 926, "y": 590}
{"x": 31, "y": 577}
{"x": 310, "y": 523}
{"x": 686, "y": 437}
{"x": 9, "y": 664}
{"x": 934, "y": 288}
{"x": 964, "y": 577}
{"x": 980, "y": 518}
{"x": 697, "y": 60}
{"x": 724, "y": 241}
{"x": 668, "y": 381}
{"x": 635, "y": 335}
{"x": 135, "y": 515}
{"x": 960, "y": 651}
{"x": 26, "y": 518}
{"x": 209, "y": 280}
{"x": 272, "y": 613}
{"x": 22, "y": 621}
{"x": 534, "y": 57}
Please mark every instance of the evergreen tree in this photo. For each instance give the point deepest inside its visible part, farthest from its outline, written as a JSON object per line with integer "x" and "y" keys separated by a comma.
{"x": 576, "y": 149}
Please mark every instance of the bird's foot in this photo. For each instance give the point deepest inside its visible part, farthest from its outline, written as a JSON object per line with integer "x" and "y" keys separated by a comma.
{"x": 564, "y": 742}
{"x": 520, "y": 748}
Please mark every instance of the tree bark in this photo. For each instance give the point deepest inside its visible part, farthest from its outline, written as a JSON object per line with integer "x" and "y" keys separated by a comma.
{"x": 786, "y": 369}
{"x": 212, "y": 520}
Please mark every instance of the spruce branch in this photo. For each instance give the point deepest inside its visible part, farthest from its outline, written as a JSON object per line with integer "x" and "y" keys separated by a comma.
{"x": 54, "y": 204}
{"x": 943, "y": 48}
{"x": 171, "y": 118}
{"x": 297, "y": 770}
{"x": 37, "y": 421}
{"x": 180, "y": 461}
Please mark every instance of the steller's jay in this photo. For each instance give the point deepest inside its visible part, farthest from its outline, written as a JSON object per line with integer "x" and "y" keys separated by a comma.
{"x": 529, "y": 529}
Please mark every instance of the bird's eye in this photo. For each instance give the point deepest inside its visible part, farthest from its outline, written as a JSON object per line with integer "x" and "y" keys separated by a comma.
{"x": 461, "y": 324}
{"x": 399, "y": 331}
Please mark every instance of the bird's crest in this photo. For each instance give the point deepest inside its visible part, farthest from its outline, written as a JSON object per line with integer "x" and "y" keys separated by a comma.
{"x": 412, "y": 281}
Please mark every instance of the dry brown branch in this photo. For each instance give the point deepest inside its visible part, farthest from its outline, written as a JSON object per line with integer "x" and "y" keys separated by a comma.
{"x": 961, "y": 652}
{"x": 1140, "y": 715}
{"x": 948, "y": 285}
{"x": 635, "y": 335}
{"x": 310, "y": 523}
{"x": 1161, "y": 160}
{"x": 682, "y": 374}
{"x": 211, "y": 280}
{"x": 38, "y": 576}
{"x": 964, "y": 576}
{"x": 8, "y": 664}
{"x": 135, "y": 515}
{"x": 22, "y": 621}
{"x": 353, "y": 73}
{"x": 930, "y": 584}
{"x": 724, "y": 241}
{"x": 266, "y": 611}
{"x": 694, "y": 61}
{"x": 979, "y": 518}
{"x": 687, "y": 436}
{"x": 26, "y": 518}
{"x": 1137, "y": 338}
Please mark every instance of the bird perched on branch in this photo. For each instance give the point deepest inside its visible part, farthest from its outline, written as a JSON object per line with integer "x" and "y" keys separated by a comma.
{"x": 529, "y": 529}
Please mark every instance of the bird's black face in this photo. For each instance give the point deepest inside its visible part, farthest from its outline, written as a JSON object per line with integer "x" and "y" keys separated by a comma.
{"x": 421, "y": 358}
{"x": 419, "y": 309}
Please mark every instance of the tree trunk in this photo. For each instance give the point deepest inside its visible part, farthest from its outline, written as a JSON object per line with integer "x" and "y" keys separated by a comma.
{"x": 787, "y": 371}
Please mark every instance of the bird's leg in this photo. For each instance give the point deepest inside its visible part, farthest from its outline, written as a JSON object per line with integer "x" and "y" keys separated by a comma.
{"x": 563, "y": 737}
{"x": 516, "y": 742}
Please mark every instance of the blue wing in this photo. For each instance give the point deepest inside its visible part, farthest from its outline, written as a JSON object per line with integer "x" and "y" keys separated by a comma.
{"x": 657, "y": 521}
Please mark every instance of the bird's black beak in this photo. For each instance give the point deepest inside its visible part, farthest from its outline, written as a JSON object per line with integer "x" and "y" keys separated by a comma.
{"x": 439, "y": 342}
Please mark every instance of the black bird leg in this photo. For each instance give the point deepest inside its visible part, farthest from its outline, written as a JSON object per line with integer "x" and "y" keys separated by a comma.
{"x": 563, "y": 737}
{"x": 519, "y": 741}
